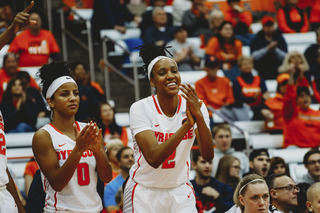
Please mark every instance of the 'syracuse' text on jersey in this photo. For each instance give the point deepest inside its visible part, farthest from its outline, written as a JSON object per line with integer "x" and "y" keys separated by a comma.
{"x": 3, "y": 158}
{"x": 80, "y": 194}
{"x": 146, "y": 114}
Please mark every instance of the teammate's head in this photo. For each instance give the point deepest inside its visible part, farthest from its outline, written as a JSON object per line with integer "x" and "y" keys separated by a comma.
{"x": 161, "y": 70}
{"x": 259, "y": 162}
{"x": 202, "y": 167}
{"x": 311, "y": 161}
{"x": 222, "y": 137}
{"x": 313, "y": 198}
{"x": 252, "y": 194}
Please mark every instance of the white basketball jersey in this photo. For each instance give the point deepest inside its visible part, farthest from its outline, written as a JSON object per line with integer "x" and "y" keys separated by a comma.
{"x": 80, "y": 194}
{"x": 3, "y": 158}
{"x": 146, "y": 114}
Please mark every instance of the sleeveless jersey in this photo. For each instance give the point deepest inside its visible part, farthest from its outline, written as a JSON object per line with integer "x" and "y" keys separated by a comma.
{"x": 3, "y": 158}
{"x": 80, "y": 194}
{"x": 146, "y": 114}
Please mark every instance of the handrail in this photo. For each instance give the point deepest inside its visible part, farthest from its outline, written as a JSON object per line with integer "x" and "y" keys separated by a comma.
{"x": 134, "y": 82}
{"x": 230, "y": 122}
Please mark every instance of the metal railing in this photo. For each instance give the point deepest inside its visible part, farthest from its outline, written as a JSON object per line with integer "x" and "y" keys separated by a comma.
{"x": 230, "y": 122}
{"x": 107, "y": 64}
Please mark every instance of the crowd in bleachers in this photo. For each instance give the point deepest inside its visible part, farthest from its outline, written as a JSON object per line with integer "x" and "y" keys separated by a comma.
{"x": 209, "y": 36}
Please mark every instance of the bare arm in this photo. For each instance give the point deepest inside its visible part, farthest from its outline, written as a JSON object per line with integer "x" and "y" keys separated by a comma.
{"x": 13, "y": 191}
{"x": 20, "y": 22}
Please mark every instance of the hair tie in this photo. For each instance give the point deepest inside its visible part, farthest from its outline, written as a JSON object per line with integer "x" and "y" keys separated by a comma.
{"x": 255, "y": 180}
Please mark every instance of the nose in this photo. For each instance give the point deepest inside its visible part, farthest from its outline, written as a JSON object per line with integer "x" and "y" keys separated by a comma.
{"x": 170, "y": 75}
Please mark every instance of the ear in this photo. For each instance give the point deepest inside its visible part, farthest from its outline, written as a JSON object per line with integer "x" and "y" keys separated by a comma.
{"x": 241, "y": 200}
{"x": 50, "y": 102}
{"x": 309, "y": 206}
{"x": 194, "y": 165}
{"x": 251, "y": 164}
{"x": 152, "y": 83}
{"x": 273, "y": 194}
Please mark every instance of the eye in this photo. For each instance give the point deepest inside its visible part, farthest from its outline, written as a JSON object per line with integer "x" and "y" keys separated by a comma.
{"x": 254, "y": 198}
{"x": 174, "y": 71}
{"x": 76, "y": 93}
{"x": 265, "y": 197}
{"x": 64, "y": 94}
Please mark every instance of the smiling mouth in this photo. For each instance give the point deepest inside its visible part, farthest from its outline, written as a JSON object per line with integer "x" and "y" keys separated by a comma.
{"x": 172, "y": 84}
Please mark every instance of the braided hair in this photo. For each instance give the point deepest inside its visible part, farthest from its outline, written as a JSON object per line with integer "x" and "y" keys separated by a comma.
{"x": 150, "y": 51}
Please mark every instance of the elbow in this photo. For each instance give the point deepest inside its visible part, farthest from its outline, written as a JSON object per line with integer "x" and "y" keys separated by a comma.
{"x": 57, "y": 187}
{"x": 154, "y": 163}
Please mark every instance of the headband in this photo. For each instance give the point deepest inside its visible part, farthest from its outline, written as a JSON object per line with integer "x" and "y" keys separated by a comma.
{"x": 155, "y": 60}
{"x": 255, "y": 180}
{"x": 57, "y": 83}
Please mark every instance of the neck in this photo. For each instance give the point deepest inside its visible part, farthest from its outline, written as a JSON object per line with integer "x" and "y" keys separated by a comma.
{"x": 202, "y": 181}
{"x": 63, "y": 124}
{"x": 268, "y": 36}
{"x": 212, "y": 77}
{"x": 35, "y": 32}
{"x": 315, "y": 178}
{"x": 168, "y": 105}
{"x": 124, "y": 173}
{"x": 283, "y": 208}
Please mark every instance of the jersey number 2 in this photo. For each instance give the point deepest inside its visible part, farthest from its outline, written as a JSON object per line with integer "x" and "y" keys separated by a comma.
{"x": 83, "y": 174}
{"x": 2, "y": 144}
{"x": 169, "y": 163}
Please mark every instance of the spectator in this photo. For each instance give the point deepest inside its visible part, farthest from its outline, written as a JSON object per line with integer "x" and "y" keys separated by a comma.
{"x": 33, "y": 93}
{"x": 35, "y": 46}
{"x": 302, "y": 198}
{"x": 178, "y": 9}
{"x": 313, "y": 198}
{"x": 291, "y": 18}
{"x": 222, "y": 136}
{"x": 278, "y": 166}
{"x": 313, "y": 10}
{"x": 273, "y": 107}
{"x": 311, "y": 161}
{"x": 185, "y": 53}
{"x": 215, "y": 91}
{"x": 6, "y": 16}
{"x": 241, "y": 20}
{"x": 297, "y": 63}
{"x": 249, "y": 187}
{"x": 19, "y": 111}
{"x": 196, "y": 20}
{"x": 126, "y": 160}
{"x": 215, "y": 19}
{"x": 312, "y": 55}
{"x": 268, "y": 49}
{"x": 147, "y": 17}
{"x": 210, "y": 193}
{"x": 225, "y": 47}
{"x": 250, "y": 89}
{"x": 89, "y": 97}
{"x": 9, "y": 70}
{"x": 228, "y": 171}
{"x": 302, "y": 127}
{"x": 112, "y": 149}
{"x": 30, "y": 170}
{"x": 110, "y": 129}
{"x": 283, "y": 193}
{"x": 160, "y": 33}
{"x": 259, "y": 162}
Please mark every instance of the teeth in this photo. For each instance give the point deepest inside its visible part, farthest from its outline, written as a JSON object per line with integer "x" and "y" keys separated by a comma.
{"x": 171, "y": 84}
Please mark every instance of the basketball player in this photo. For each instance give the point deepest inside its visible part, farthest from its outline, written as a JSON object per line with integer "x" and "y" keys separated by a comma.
{"x": 70, "y": 154}
{"x": 164, "y": 127}
{"x": 10, "y": 201}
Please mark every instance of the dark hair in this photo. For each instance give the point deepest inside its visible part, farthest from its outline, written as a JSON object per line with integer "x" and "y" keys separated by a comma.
{"x": 302, "y": 197}
{"x": 308, "y": 154}
{"x": 118, "y": 155}
{"x": 75, "y": 64}
{"x": 303, "y": 89}
{"x": 150, "y": 51}
{"x": 271, "y": 179}
{"x": 274, "y": 162}
{"x": 230, "y": 1}
{"x": 7, "y": 95}
{"x": 179, "y": 29}
{"x": 222, "y": 40}
{"x": 195, "y": 155}
{"x": 50, "y": 72}
{"x": 257, "y": 152}
{"x": 113, "y": 127}
{"x": 6, "y": 56}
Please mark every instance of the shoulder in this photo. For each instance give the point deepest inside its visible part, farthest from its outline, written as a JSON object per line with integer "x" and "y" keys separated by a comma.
{"x": 41, "y": 137}
{"x": 237, "y": 42}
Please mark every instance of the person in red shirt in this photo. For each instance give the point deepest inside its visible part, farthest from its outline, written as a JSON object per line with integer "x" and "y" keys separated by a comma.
{"x": 35, "y": 45}
{"x": 302, "y": 124}
{"x": 292, "y": 19}
{"x": 215, "y": 91}
{"x": 225, "y": 47}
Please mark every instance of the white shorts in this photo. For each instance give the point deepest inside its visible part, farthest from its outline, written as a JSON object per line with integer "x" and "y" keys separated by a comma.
{"x": 7, "y": 204}
{"x": 141, "y": 199}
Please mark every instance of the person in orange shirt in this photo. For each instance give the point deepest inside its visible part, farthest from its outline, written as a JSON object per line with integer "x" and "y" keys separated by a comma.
{"x": 241, "y": 20}
{"x": 35, "y": 45}
{"x": 314, "y": 15}
{"x": 292, "y": 19}
{"x": 215, "y": 91}
{"x": 225, "y": 47}
{"x": 272, "y": 111}
{"x": 302, "y": 124}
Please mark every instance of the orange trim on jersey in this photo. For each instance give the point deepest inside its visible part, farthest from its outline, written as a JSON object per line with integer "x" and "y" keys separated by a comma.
{"x": 179, "y": 106}
{"x": 55, "y": 201}
{"x": 76, "y": 122}
{"x": 134, "y": 188}
{"x": 134, "y": 173}
{"x": 187, "y": 170}
{"x": 155, "y": 103}
{"x": 192, "y": 189}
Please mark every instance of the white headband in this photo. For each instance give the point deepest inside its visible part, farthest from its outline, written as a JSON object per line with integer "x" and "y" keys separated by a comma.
{"x": 155, "y": 60}
{"x": 255, "y": 180}
{"x": 57, "y": 83}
